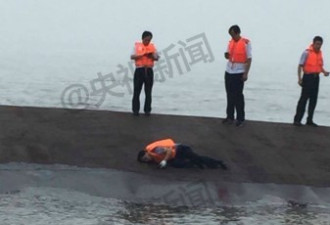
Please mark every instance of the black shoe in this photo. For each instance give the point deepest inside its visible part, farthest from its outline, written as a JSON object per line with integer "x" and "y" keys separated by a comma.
{"x": 312, "y": 124}
{"x": 297, "y": 124}
{"x": 196, "y": 164}
{"x": 147, "y": 114}
{"x": 228, "y": 121}
{"x": 239, "y": 123}
{"x": 200, "y": 166}
{"x": 222, "y": 165}
{"x": 136, "y": 114}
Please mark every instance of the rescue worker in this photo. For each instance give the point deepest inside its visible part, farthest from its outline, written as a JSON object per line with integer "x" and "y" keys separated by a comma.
{"x": 144, "y": 56}
{"x": 311, "y": 64}
{"x": 239, "y": 61}
{"x": 167, "y": 152}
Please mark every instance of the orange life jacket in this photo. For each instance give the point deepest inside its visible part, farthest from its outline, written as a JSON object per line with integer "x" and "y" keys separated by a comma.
{"x": 237, "y": 50}
{"x": 141, "y": 49}
{"x": 314, "y": 61}
{"x": 161, "y": 143}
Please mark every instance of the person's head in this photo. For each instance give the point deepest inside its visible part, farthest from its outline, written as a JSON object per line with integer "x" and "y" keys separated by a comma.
{"x": 235, "y": 32}
{"x": 146, "y": 37}
{"x": 317, "y": 43}
{"x": 143, "y": 157}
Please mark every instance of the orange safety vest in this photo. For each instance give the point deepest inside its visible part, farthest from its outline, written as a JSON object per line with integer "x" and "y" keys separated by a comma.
{"x": 161, "y": 143}
{"x": 141, "y": 49}
{"x": 237, "y": 50}
{"x": 314, "y": 61}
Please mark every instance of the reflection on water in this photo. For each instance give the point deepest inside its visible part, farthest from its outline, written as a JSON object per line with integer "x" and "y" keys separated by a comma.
{"x": 38, "y": 195}
{"x": 58, "y": 206}
{"x": 249, "y": 214}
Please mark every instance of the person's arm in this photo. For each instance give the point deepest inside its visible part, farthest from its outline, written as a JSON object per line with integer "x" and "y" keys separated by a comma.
{"x": 227, "y": 55}
{"x": 302, "y": 61}
{"x": 134, "y": 57}
{"x": 155, "y": 56}
{"x": 248, "y": 61}
{"x": 247, "y": 69}
{"x": 168, "y": 153}
{"x": 326, "y": 73}
{"x": 300, "y": 70}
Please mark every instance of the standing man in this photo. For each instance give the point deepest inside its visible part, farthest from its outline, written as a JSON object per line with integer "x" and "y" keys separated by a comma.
{"x": 311, "y": 63}
{"x": 144, "y": 55}
{"x": 239, "y": 61}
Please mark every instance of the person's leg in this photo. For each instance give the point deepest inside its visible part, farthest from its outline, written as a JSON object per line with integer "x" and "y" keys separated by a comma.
{"x": 313, "y": 98}
{"x": 305, "y": 94}
{"x": 149, "y": 80}
{"x": 239, "y": 97}
{"x": 138, "y": 83}
{"x": 230, "y": 97}
{"x": 180, "y": 163}
{"x": 212, "y": 163}
{"x": 185, "y": 152}
{"x": 185, "y": 155}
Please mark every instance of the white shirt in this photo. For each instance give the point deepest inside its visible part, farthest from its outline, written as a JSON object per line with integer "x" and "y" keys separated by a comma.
{"x": 303, "y": 58}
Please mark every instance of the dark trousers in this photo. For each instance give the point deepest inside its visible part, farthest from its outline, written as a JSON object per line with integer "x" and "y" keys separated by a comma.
{"x": 309, "y": 91}
{"x": 186, "y": 158}
{"x": 235, "y": 98}
{"x": 142, "y": 76}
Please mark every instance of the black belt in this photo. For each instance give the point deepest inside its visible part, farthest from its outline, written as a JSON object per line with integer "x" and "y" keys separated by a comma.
{"x": 312, "y": 74}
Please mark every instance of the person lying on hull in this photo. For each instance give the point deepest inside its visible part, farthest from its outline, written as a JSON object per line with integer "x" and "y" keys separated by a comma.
{"x": 167, "y": 152}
